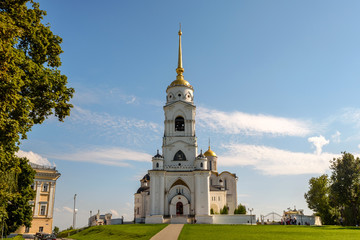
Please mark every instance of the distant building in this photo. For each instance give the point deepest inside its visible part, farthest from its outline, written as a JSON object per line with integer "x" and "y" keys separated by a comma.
{"x": 297, "y": 217}
{"x": 43, "y": 204}
{"x": 97, "y": 219}
{"x": 104, "y": 219}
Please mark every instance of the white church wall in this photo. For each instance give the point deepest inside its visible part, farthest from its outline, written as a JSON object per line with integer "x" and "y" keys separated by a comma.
{"x": 154, "y": 219}
{"x": 171, "y": 150}
{"x": 217, "y": 200}
{"x": 234, "y": 219}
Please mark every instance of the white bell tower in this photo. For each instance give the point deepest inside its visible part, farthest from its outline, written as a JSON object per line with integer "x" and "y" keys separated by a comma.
{"x": 179, "y": 142}
{"x": 179, "y": 179}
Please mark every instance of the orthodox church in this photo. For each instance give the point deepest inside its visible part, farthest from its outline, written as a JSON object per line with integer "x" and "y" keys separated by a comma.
{"x": 182, "y": 183}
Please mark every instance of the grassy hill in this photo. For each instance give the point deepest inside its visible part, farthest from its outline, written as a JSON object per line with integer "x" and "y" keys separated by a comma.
{"x": 114, "y": 232}
{"x": 208, "y": 232}
{"x": 269, "y": 232}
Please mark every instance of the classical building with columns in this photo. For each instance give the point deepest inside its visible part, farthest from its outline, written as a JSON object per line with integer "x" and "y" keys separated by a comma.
{"x": 183, "y": 183}
{"x": 43, "y": 204}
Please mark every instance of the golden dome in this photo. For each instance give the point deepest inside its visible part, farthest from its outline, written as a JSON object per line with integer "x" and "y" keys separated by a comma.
{"x": 210, "y": 153}
{"x": 180, "y": 82}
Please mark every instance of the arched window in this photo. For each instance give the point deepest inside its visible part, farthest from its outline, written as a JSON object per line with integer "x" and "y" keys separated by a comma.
{"x": 179, "y": 124}
{"x": 157, "y": 165}
{"x": 179, "y": 156}
{"x": 201, "y": 165}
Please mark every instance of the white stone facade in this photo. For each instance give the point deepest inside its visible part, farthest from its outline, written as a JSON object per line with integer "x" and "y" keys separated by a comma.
{"x": 181, "y": 181}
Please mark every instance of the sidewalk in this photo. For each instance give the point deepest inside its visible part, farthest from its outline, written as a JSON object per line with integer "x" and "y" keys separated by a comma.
{"x": 171, "y": 232}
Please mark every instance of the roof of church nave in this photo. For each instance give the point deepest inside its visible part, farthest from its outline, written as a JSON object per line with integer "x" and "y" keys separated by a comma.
{"x": 219, "y": 174}
{"x": 180, "y": 81}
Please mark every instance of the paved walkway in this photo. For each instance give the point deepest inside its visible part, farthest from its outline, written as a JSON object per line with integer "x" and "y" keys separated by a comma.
{"x": 171, "y": 232}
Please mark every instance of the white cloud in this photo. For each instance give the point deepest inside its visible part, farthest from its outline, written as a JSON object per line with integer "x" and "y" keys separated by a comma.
{"x": 130, "y": 100}
{"x": 250, "y": 124}
{"x": 34, "y": 158}
{"x": 114, "y": 213}
{"x": 67, "y": 209}
{"x": 351, "y": 115}
{"x": 106, "y": 120}
{"x": 274, "y": 161}
{"x": 86, "y": 95}
{"x": 318, "y": 142}
{"x": 336, "y": 137}
{"x": 106, "y": 156}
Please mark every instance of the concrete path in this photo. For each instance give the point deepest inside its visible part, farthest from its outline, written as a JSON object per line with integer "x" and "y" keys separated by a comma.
{"x": 171, "y": 232}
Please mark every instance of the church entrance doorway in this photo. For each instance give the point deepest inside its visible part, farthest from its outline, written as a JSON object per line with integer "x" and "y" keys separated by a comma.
{"x": 179, "y": 208}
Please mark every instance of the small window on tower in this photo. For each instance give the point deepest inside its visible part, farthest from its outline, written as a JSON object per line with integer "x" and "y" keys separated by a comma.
{"x": 157, "y": 165}
{"x": 179, "y": 124}
{"x": 179, "y": 156}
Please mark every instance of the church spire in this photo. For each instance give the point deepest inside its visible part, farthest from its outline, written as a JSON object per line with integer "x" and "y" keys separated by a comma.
{"x": 180, "y": 81}
{"x": 180, "y": 69}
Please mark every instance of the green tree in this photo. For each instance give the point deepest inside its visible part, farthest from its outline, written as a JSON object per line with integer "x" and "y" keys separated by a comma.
{"x": 56, "y": 230}
{"x": 31, "y": 89}
{"x": 224, "y": 210}
{"x": 241, "y": 209}
{"x": 318, "y": 199}
{"x": 345, "y": 187}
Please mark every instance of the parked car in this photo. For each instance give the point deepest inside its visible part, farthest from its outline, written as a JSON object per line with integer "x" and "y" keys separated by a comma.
{"x": 44, "y": 236}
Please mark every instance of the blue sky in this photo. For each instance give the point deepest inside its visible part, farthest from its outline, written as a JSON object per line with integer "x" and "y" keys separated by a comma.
{"x": 276, "y": 88}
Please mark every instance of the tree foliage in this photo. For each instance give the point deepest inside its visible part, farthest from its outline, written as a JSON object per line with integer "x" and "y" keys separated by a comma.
{"x": 224, "y": 210}
{"x": 241, "y": 209}
{"x": 337, "y": 199}
{"x": 31, "y": 89}
{"x": 345, "y": 187}
{"x": 318, "y": 200}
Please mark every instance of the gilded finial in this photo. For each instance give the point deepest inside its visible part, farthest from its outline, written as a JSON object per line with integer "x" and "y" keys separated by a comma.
{"x": 209, "y": 143}
{"x": 180, "y": 69}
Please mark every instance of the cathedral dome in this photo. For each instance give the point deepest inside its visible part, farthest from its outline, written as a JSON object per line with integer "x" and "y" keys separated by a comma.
{"x": 210, "y": 153}
{"x": 146, "y": 177}
{"x": 180, "y": 82}
{"x": 201, "y": 155}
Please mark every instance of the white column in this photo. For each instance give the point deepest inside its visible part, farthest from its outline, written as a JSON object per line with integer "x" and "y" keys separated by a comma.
{"x": 37, "y": 198}
{"x": 152, "y": 193}
{"x": 202, "y": 193}
{"x": 197, "y": 193}
{"x": 51, "y": 200}
{"x": 161, "y": 193}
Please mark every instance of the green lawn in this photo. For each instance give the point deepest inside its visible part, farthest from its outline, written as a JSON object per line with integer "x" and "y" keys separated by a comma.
{"x": 114, "y": 232}
{"x": 275, "y": 232}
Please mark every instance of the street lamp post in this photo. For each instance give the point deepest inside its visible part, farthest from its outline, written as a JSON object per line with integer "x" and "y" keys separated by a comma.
{"x": 250, "y": 210}
{"x": 74, "y": 213}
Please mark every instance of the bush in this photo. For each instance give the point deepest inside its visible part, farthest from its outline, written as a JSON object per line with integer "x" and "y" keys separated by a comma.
{"x": 224, "y": 210}
{"x": 241, "y": 209}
